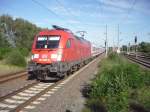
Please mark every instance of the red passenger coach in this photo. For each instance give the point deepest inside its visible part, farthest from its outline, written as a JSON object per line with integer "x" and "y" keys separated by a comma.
{"x": 57, "y": 52}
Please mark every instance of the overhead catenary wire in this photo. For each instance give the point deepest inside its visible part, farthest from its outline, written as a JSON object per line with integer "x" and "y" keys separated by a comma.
{"x": 125, "y": 19}
{"x": 129, "y": 10}
{"x": 66, "y": 9}
{"x": 82, "y": 33}
{"x": 100, "y": 5}
{"x": 62, "y": 5}
{"x": 57, "y": 15}
{"x": 70, "y": 12}
{"x": 49, "y": 10}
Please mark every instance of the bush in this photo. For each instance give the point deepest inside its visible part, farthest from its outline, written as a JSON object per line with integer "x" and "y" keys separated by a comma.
{"x": 113, "y": 56}
{"x": 146, "y": 77}
{"x": 143, "y": 97}
{"x": 94, "y": 105}
{"x": 24, "y": 51}
{"x": 134, "y": 75}
{"x": 15, "y": 58}
{"x": 114, "y": 83}
{"x": 112, "y": 89}
{"x": 144, "y": 47}
{"x": 4, "y": 51}
{"x": 118, "y": 102}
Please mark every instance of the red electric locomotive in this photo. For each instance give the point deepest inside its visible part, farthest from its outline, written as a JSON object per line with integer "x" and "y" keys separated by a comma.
{"x": 56, "y": 52}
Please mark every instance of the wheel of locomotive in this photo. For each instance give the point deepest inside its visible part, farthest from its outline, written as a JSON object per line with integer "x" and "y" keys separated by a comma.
{"x": 65, "y": 75}
{"x": 31, "y": 76}
{"x": 78, "y": 67}
{"x": 41, "y": 75}
{"x": 75, "y": 68}
{"x": 68, "y": 72}
{"x": 71, "y": 71}
{"x": 62, "y": 75}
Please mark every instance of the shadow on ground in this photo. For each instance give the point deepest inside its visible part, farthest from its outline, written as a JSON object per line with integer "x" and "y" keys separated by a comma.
{"x": 134, "y": 107}
{"x": 95, "y": 106}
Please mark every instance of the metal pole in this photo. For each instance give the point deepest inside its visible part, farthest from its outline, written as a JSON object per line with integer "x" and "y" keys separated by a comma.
{"x": 106, "y": 43}
{"x": 118, "y": 49}
{"x": 135, "y": 46}
{"x": 129, "y": 48}
{"x": 113, "y": 45}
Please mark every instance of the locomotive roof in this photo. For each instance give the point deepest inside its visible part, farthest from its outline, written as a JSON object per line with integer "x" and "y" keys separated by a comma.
{"x": 61, "y": 28}
{"x": 80, "y": 38}
{"x": 58, "y": 28}
{"x": 67, "y": 30}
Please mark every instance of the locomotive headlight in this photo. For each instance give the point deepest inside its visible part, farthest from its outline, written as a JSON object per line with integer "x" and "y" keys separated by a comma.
{"x": 53, "y": 56}
{"x": 57, "y": 57}
{"x": 35, "y": 56}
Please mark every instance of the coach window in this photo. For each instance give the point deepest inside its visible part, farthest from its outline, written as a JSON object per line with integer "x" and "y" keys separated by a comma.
{"x": 68, "y": 44}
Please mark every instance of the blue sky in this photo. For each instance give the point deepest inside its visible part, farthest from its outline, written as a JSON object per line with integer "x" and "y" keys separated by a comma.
{"x": 133, "y": 17}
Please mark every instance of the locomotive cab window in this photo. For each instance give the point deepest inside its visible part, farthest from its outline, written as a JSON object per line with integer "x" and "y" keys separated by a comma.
{"x": 53, "y": 41}
{"x": 68, "y": 44}
{"x": 49, "y": 42}
{"x": 41, "y": 42}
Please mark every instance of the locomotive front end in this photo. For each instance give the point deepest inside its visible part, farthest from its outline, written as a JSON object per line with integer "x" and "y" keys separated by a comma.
{"x": 46, "y": 56}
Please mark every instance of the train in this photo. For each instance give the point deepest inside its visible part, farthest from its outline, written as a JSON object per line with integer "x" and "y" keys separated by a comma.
{"x": 58, "y": 52}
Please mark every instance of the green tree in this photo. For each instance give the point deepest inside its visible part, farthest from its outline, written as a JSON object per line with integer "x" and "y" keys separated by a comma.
{"x": 124, "y": 48}
{"x": 16, "y": 33}
{"x": 144, "y": 47}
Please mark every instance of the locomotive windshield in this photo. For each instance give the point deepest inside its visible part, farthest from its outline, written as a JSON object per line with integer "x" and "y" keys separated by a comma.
{"x": 48, "y": 42}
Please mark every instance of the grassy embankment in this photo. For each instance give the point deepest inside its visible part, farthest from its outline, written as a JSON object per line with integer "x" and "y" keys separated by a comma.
{"x": 119, "y": 86}
{"x": 9, "y": 69}
{"x": 16, "y": 37}
{"x": 12, "y": 60}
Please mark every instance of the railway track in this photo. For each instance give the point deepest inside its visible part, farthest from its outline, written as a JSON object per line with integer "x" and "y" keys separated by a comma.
{"x": 6, "y": 78}
{"x": 17, "y": 91}
{"x": 140, "y": 59}
{"x": 140, "y": 55}
{"x": 34, "y": 93}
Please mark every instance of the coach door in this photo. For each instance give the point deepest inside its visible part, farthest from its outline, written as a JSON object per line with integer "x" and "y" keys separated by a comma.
{"x": 68, "y": 50}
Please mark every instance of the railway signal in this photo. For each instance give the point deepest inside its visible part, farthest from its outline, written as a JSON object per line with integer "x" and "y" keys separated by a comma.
{"x": 135, "y": 40}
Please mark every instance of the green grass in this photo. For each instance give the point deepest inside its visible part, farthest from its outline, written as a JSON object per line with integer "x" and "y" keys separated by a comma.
{"x": 7, "y": 69}
{"x": 116, "y": 80}
{"x": 143, "y": 97}
{"x": 12, "y": 60}
{"x": 16, "y": 58}
{"x": 4, "y": 52}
